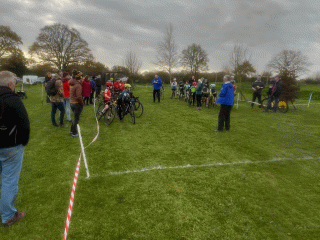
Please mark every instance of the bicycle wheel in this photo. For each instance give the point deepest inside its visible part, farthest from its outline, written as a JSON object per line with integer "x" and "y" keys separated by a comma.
{"x": 264, "y": 103}
{"x": 109, "y": 115}
{"x": 138, "y": 108}
{"x": 99, "y": 113}
{"x": 283, "y": 106}
{"x": 129, "y": 115}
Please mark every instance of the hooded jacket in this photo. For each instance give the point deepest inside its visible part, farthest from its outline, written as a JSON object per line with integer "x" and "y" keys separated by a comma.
{"x": 14, "y": 122}
{"x": 75, "y": 92}
{"x": 86, "y": 88}
{"x": 226, "y": 94}
{"x": 66, "y": 87}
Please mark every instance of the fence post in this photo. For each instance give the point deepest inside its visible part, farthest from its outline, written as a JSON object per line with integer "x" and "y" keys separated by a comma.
{"x": 310, "y": 99}
{"x": 238, "y": 100}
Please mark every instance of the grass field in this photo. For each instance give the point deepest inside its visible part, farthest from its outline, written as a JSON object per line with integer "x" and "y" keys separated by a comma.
{"x": 257, "y": 198}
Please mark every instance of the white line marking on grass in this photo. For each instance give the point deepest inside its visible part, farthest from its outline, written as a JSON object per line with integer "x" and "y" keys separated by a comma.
{"x": 205, "y": 165}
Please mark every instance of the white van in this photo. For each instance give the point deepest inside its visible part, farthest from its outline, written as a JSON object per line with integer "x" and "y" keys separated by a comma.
{"x": 29, "y": 79}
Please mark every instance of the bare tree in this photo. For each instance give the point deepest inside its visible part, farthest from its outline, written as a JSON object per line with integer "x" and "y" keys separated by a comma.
{"x": 167, "y": 55}
{"x": 60, "y": 45}
{"x": 9, "y": 41}
{"x": 289, "y": 62}
{"x": 238, "y": 56}
{"x": 132, "y": 63}
{"x": 195, "y": 59}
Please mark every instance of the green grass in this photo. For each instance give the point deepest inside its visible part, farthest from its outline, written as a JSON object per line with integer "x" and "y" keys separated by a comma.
{"x": 266, "y": 200}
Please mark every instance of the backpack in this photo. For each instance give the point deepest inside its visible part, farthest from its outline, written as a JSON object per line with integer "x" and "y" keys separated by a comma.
{"x": 51, "y": 88}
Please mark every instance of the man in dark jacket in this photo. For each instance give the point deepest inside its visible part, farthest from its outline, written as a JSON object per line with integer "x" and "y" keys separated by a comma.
{"x": 14, "y": 135}
{"x": 257, "y": 87}
{"x": 98, "y": 85}
{"x": 275, "y": 94}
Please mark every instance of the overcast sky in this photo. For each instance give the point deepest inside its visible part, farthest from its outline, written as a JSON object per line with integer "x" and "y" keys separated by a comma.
{"x": 113, "y": 27}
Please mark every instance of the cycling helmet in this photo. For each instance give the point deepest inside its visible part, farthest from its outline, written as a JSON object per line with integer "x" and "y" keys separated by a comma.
{"x": 174, "y": 79}
{"x": 127, "y": 85}
{"x": 212, "y": 85}
{"x": 109, "y": 83}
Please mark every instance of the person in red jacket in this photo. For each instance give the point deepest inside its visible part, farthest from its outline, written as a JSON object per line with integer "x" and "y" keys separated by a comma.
{"x": 66, "y": 94}
{"x": 86, "y": 90}
{"x": 121, "y": 86}
{"x": 107, "y": 98}
{"x": 117, "y": 85}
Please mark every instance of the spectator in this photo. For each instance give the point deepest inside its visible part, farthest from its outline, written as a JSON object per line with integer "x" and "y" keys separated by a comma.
{"x": 157, "y": 83}
{"x": 199, "y": 94}
{"x": 86, "y": 90}
{"x": 174, "y": 88}
{"x": 14, "y": 136}
{"x": 47, "y": 78}
{"x": 93, "y": 89}
{"x": 76, "y": 100}
{"x": 257, "y": 87}
{"x": 66, "y": 94}
{"x": 226, "y": 100}
{"x": 275, "y": 94}
{"x": 57, "y": 101}
{"x": 116, "y": 85}
{"x": 98, "y": 85}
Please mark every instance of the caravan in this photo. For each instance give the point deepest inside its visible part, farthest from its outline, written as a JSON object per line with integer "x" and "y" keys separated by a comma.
{"x": 29, "y": 79}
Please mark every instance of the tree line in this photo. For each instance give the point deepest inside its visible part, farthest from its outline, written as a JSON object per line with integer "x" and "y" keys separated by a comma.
{"x": 59, "y": 47}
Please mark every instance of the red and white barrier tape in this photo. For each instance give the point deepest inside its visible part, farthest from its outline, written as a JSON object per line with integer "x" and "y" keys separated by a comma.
{"x": 72, "y": 199}
{"x": 77, "y": 173}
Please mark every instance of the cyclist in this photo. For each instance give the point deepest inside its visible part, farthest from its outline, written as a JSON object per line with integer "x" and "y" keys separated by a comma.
{"x": 174, "y": 88}
{"x": 213, "y": 93}
{"x": 107, "y": 97}
{"x": 193, "y": 93}
{"x": 275, "y": 93}
{"x": 199, "y": 94}
{"x": 205, "y": 92}
{"x": 157, "y": 84}
{"x": 123, "y": 98}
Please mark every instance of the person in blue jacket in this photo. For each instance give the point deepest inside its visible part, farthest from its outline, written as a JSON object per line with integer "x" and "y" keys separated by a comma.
{"x": 226, "y": 100}
{"x": 157, "y": 83}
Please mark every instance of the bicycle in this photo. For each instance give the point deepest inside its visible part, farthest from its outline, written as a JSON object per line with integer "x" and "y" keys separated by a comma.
{"x": 181, "y": 94}
{"x": 108, "y": 115}
{"x": 127, "y": 110}
{"x": 282, "y": 105}
{"x": 138, "y": 107}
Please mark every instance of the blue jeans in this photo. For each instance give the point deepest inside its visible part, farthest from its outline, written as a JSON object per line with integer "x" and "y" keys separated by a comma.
{"x": 66, "y": 102}
{"x": 55, "y": 106}
{"x": 276, "y": 103}
{"x": 10, "y": 168}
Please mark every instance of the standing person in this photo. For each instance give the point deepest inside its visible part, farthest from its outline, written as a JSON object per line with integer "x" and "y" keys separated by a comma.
{"x": 174, "y": 88}
{"x": 257, "y": 87}
{"x": 98, "y": 85}
{"x": 86, "y": 90}
{"x": 47, "y": 78}
{"x": 57, "y": 101}
{"x": 66, "y": 94}
{"x": 226, "y": 100}
{"x": 93, "y": 89}
{"x": 199, "y": 94}
{"x": 275, "y": 94}
{"x": 75, "y": 100}
{"x": 233, "y": 82}
{"x": 14, "y": 136}
{"x": 157, "y": 83}
{"x": 192, "y": 81}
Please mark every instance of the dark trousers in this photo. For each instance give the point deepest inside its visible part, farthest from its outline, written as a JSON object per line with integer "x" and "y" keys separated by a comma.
{"x": 76, "y": 109}
{"x": 199, "y": 98}
{"x": 156, "y": 92}
{"x": 98, "y": 91}
{"x": 254, "y": 97}
{"x": 55, "y": 106}
{"x": 91, "y": 97}
{"x": 193, "y": 98}
{"x": 276, "y": 103}
{"x": 224, "y": 117}
{"x": 86, "y": 100}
